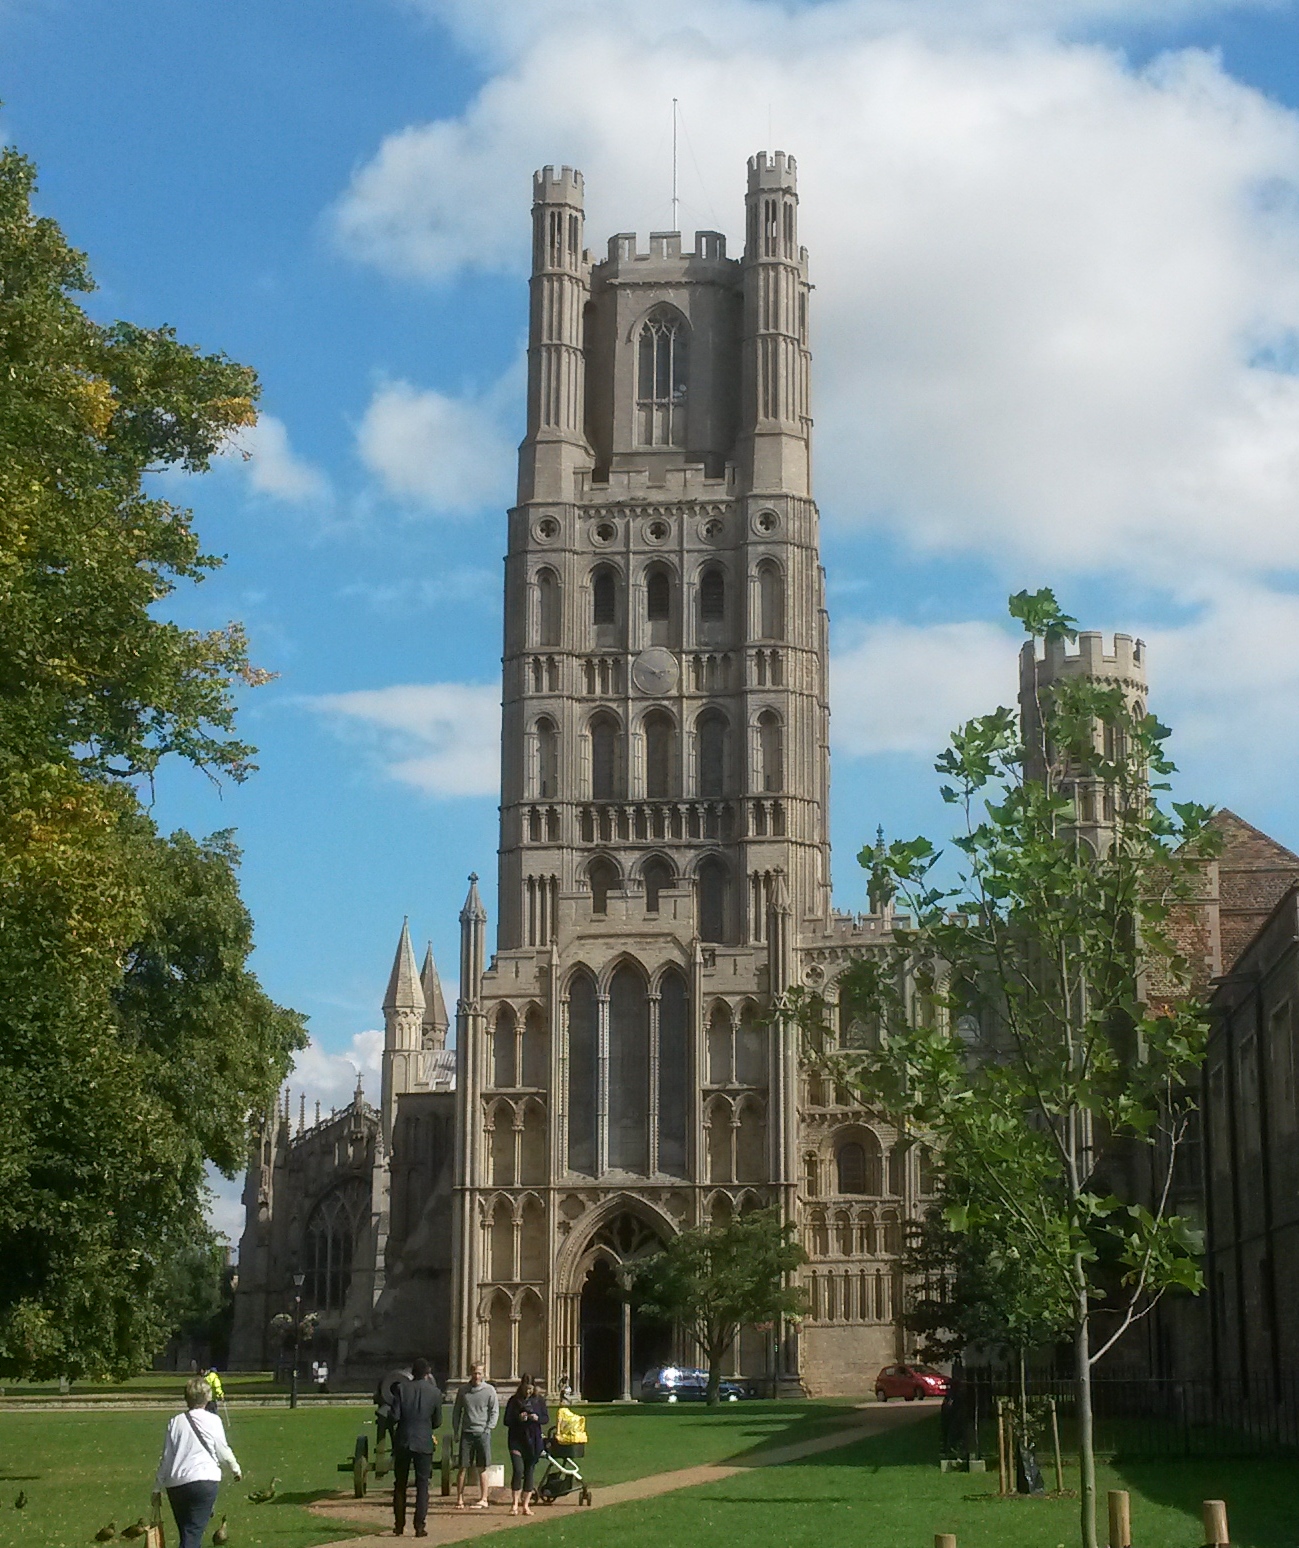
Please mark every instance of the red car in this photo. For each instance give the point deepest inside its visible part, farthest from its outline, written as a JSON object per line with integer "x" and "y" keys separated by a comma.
{"x": 910, "y": 1382}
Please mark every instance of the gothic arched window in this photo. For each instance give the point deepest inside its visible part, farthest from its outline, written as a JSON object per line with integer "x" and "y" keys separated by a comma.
{"x": 547, "y": 760}
{"x": 661, "y": 356}
{"x": 771, "y": 601}
{"x": 710, "y": 751}
{"x": 660, "y": 755}
{"x": 604, "y": 605}
{"x": 583, "y": 1072}
{"x": 628, "y": 1071}
{"x": 674, "y": 1047}
{"x": 713, "y": 886}
{"x": 548, "y": 608}
{"x": 771, "y": 752}
{"x": 503, "y": 1048}
{"x": 658, "y": 595}
{"x": 606, "y": 759}
{"x": 330, "y": 1243}
{"x": 859, "y": 1165}
{"x": 712, "y": 595}
{"x": 604, "y": 877}
{"x": 657, "y": 874}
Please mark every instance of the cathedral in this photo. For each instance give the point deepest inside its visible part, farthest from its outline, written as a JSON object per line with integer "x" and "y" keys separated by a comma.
{"x": 619, "y": 1069}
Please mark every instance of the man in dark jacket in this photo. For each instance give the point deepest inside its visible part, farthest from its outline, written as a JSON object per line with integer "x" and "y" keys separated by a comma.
{"x": 416, "y": 1414}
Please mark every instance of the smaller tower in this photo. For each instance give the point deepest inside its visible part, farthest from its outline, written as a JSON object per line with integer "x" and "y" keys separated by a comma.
{"x": 403, "y": 1031}
{"x": 1124, "y": 668}
{"x": 436, "y": 1021}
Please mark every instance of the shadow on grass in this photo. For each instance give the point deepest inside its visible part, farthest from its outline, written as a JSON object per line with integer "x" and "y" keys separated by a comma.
{"x": 790, "y": 1423}
{"x": 1261, "y": 1493}
{"x": 915, "y": 1444}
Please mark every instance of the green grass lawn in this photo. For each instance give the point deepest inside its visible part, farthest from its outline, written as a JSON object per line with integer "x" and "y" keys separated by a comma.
{"x": 887, "y": 1492}
{"x": 79, "y": 1470}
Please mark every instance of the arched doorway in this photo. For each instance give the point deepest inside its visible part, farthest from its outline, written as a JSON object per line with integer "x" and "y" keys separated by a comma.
{"x": 615, "y": 1341}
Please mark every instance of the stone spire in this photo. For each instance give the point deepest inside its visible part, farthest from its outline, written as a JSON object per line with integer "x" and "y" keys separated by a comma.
{"x": 473, "y": 929}
{"x": 404, "y": 991}
{"x": 436, "y": 1020}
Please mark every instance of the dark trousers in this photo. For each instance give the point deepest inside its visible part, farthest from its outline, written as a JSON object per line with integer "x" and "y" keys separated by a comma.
{"x": 192, "y": 1505}
{"x": 523, "y": 1467}
{"x": 402, "y": 1462}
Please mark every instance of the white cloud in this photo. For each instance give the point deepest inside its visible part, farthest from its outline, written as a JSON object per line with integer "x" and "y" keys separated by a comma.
{"x": 446, "y": 454}
{"x": 273, "y": 468}
{"x": 442, "y": 738}
{"x": 1052, "y": 292}
{"x": 225, "y": 1210}
{"x": 903, "y": 688}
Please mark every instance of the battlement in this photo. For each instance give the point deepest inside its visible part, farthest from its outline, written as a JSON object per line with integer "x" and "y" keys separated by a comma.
{"x": 1126, "y": 660}
{"x": 665, "y": 246}
{"x": 564, "y": 187}
{"x": 667, "y": 484}
{"x": 776, "y": 171}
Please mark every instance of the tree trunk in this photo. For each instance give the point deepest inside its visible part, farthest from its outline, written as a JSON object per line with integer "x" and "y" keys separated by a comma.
{"x": 1083, "y": 1379}
{"x": 714, "y": 1378}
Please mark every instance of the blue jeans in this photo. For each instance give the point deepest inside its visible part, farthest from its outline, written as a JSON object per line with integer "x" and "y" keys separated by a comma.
{"x": 192, "y": 1505}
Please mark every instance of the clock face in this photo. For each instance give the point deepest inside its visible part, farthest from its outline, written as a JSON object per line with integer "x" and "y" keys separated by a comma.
{"x": 655, "y": 671}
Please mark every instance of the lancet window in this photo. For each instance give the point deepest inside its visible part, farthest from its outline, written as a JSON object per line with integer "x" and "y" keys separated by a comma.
{"x": 661, "y": 362}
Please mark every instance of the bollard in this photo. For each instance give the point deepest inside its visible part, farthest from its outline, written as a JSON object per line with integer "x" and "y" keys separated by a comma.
{"x": 944, "y": 1540}
{"x": 1120, "y": 1519}
{"x": 1215, "y": 1524}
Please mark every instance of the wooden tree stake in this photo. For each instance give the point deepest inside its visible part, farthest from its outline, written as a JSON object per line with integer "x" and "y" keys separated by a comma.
{"x": 1120, "y": 1519}
{"x": 1215, "y": 1524}
{"x": 1055, "y": 1437}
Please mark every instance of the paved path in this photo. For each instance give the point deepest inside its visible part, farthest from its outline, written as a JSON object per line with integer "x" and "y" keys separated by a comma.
{"x": 448, "y": 1525}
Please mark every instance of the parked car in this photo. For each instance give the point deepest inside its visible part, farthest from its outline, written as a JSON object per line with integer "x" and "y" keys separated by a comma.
{"x": 684, "y": 1384}
{"x": 910, "y": 1382}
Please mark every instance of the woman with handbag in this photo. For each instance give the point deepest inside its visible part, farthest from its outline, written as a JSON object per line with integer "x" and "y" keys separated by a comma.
{"x": 190, "y": 1469}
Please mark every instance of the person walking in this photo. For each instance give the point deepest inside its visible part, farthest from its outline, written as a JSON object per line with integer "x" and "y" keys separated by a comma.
{"x": 213, "y": 1379}
{"x": 477, "y": 1408}
{"x": 526, "y": 1418}
{"x": 190, "y": 1468}
{"x": 416, "y": 1415}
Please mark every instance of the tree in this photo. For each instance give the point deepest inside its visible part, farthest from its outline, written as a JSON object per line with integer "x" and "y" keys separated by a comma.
{"x": 1036, "y": 1015}
{"x": 714, "y": 1279}
{"x": 134, "y": 1041}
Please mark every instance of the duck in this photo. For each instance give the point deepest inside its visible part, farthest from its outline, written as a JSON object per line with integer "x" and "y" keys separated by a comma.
{"x": 261, "y": 1496}
{"x": 136, "y": 1529}
{"x": 222, "y": 1534}
{"x": 20, "y": 1500}
{"x": 106, "y": 1533}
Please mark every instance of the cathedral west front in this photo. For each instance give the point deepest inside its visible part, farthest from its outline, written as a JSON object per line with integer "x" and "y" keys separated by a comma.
{"x": 619, "y": 1069}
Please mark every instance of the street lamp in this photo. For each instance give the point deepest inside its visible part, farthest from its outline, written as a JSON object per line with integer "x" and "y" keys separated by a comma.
{"x": 298, "y": 1281}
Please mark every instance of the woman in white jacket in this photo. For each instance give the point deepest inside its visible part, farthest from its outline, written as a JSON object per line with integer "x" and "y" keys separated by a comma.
{"x": 190, "y": 1469}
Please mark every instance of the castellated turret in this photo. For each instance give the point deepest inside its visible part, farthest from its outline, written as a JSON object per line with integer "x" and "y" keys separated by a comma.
{"x": 1125, "y": 668}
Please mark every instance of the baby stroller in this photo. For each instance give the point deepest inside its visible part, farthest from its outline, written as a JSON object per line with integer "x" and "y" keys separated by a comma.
{"x": 565, "y": 1445}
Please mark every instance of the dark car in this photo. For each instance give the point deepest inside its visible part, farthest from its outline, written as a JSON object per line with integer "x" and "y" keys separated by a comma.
{"x": 684, "y": 1384}
{"x": 910, "y": 1382}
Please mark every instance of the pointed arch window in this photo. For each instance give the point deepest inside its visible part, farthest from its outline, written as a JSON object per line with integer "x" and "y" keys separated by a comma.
{"x": 549, "y": 599}
{"x": 547, "y": 759}
{"x": 712, "y": 595}
{"x": 771, "y": 601}
{"x": 583, "y": 1068}
{"x": 660, "y": 755}
{"x": 330, "y": 1244}
{"x": 661, "y": 366}
{"x": 604, "y": 878}
{"x": 710, "y": 750}
{"x": 771, "y": 752}
{"x": 606, "y": 758}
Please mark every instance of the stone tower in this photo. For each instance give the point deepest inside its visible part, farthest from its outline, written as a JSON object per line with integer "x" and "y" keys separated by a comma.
{"x": 1124, "y": 668}
{"x": 664, "y": 860}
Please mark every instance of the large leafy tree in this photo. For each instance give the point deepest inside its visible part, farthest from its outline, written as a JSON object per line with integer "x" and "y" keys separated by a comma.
{"x": 711, "y": 1280}
{"x": 134, "y": 1041}
{"x": 1036, "y": 1013}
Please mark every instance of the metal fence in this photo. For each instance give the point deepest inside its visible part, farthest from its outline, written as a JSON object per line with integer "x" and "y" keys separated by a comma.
{"x": 1144, "y": 1417}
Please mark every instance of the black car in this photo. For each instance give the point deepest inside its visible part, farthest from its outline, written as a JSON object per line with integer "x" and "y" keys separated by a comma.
{"x": 685, "y": 1384}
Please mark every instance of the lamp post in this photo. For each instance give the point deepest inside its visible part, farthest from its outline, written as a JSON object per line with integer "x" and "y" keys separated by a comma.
{"x": 298, "y": 1281}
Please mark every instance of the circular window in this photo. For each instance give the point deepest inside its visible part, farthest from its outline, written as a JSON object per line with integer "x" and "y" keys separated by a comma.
{"x": 713, "y": 530}
{"x": 766, "y": 522}
{"x": 547, "y": 529}
{"x": 604, "y": 532}
{"x": 658, "y": 532}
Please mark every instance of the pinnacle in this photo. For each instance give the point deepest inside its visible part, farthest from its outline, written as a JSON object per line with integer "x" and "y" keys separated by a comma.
{"x": 404, "y": 992}
{"x": 435, "y": 1005}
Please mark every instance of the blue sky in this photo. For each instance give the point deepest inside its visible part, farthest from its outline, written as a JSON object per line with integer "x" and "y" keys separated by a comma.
{"x": 1056, "y": 328}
